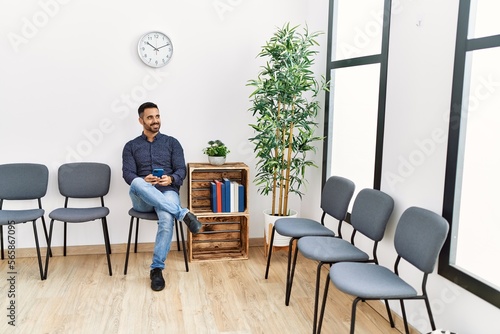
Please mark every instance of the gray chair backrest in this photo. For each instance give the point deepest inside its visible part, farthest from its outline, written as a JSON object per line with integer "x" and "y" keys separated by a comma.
{"x": 22, "y": 181}
{"x": 419, "y": 237}
{"x": 370, "y": 213}
{"x": 336, "y": 196}
{"x": 84, "y": 179}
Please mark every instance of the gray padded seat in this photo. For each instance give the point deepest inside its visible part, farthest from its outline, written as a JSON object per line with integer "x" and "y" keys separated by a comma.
{"x": 330, "y": 250}
{"x": 299, "y": 227}
{"x": 351, "y": 278}
{"x": 78, "y": 215}
{"x": 20, "y": 216}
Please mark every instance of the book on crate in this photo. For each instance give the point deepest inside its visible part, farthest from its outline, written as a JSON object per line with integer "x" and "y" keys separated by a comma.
{"x": 227, "y": 196}
{"x": 218, "y": 196}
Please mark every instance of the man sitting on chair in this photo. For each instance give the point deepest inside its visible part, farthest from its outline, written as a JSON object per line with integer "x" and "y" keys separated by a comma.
{"x": 150, "y": 151}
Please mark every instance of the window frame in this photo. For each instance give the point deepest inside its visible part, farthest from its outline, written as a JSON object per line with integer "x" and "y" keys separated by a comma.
{"x": 381, "y": 59}
{"x": 463, "y": 46}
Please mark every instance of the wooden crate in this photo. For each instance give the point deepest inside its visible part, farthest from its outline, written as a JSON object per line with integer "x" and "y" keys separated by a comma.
{"x": 200, "y": 176}
{"x": 220, "y": 238}
{"x": 224, "y": 236}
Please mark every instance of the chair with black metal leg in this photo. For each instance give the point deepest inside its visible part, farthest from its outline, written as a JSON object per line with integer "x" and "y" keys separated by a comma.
{"x": 85, "y": 181}
{"x": 136, "y": 216}
{"x": 23, "y": 182}
{"x": 419, "y": 237}
{"x": 370, "y": 213}
{"x": 335, "y": 198}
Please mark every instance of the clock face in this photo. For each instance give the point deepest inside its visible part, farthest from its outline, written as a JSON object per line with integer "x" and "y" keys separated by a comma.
{"x": 155, "y": 49}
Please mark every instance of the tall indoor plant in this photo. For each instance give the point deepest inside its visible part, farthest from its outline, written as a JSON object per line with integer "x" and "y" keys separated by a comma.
{"x": 285, "y": 106}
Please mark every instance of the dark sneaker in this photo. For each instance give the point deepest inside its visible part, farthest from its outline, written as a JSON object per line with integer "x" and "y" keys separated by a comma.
{"x": 192, "y": 222}
{"x": 157, "y": 281}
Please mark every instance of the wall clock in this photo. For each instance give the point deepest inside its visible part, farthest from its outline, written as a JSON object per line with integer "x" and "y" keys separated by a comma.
{"x": 155, "y": 49}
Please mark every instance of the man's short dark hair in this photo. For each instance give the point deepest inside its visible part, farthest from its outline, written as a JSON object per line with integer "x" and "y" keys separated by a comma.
{"x": 146, "y": 105}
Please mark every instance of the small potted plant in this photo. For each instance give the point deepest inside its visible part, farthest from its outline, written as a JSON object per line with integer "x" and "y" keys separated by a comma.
{"x": 216, "y": 151}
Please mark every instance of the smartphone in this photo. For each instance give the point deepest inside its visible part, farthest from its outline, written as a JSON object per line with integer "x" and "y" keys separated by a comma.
{"x": 158, "y": 172}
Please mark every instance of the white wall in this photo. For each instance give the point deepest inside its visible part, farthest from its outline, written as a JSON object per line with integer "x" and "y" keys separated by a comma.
{"x": 71, "y": 82}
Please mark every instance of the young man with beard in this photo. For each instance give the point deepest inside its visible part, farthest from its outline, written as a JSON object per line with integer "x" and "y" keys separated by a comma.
{"x": 154, "y": 150}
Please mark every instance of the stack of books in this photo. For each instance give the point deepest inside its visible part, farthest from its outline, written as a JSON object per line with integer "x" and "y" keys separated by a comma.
{"x": 227, "y": 196}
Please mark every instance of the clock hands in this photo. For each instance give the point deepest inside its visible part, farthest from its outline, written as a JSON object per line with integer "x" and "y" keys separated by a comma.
{"x": 156, "y": 49}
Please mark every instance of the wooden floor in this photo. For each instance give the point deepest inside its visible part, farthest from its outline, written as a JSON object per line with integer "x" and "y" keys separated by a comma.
{"x": 213, "y": 297}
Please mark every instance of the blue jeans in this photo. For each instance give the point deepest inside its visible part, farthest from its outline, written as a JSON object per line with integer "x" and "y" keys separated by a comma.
{"x": 146, "y": 198}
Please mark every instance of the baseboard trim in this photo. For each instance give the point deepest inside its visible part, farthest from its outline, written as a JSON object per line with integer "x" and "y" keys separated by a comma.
{"x": 83, "y": 250}
{"x": 99, "y": 249}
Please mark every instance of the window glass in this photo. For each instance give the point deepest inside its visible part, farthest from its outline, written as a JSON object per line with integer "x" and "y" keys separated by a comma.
{"x": 357, "y": 28}
{"x": 478, "y": 165}
{"x": 354, "y": 97}
{"x": 484, "y": 18}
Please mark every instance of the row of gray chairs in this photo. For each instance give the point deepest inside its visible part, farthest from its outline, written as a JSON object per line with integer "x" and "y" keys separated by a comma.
{"x": 352, "y": 270}
{"x": 82, "y": 180}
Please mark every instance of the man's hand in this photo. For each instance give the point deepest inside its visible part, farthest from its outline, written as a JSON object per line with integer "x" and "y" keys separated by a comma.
{"x": 152, "y": 179}
{"x": 165, "y": 180}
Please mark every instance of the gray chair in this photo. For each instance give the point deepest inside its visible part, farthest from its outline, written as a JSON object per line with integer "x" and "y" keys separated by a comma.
{"x": 419, "y": 237}
{"x": 23, "y": 182}
{"x": 335, "y": 198}
{"x": 370, "y": 213}
{"x": 82, "y": 180}
{"x": 136, "y": 216}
